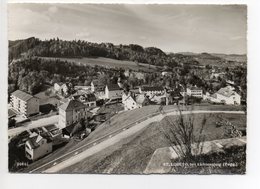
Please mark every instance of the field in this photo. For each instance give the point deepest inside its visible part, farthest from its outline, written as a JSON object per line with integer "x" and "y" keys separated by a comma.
{"x": 110, "y": 63}
{"x": 132, "y": 154}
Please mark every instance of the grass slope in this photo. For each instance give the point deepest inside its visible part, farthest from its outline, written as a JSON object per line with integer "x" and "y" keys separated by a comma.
{"x": 133, "y": 154}
{"x": 110, "y": 63}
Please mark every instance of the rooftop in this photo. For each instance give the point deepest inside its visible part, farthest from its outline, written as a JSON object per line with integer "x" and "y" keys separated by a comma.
{"x": 34, "y": 140}
{"x": 71, "y": 105}
{"x": 194, "y": 88}
{"x": 148, "y": 88}
{"x": 140, "y": 99}
{"x": 96, "y": 82}
{"x": 113, "y": 87}
{"x": 22, "y": 95}
{"x": 226, "y": 91}
{"x": 88, "y": 97}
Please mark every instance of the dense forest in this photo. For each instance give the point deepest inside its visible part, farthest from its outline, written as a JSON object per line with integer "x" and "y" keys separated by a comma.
{"x": 79, "y": 48}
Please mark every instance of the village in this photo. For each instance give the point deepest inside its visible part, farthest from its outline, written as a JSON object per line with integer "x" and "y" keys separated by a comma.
{"x": 76, "y": 111}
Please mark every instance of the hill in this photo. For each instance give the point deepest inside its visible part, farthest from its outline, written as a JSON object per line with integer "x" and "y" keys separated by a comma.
{"x": 214, "y": 59}
{"x": 233, "y": 57}
{"x": 78, "y": 49}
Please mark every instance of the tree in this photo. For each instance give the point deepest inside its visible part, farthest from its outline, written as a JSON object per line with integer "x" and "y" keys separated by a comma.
{"x": 11, "y": 122}
{"x": 181, "y": 135}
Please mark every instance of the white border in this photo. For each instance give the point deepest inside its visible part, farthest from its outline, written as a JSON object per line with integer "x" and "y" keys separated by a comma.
{"x": 250, "y": 180}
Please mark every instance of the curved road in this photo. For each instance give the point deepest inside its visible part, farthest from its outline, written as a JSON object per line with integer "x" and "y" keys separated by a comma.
{"x": 103, "y": 142}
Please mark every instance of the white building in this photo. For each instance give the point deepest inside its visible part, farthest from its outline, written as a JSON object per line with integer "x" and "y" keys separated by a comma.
{"x": 24, "y": 103}
{"x": 151, "y": 91}
{"x": 226, "y": 95}
{"x": 194, "y": 91}
{"x": 37, "y": 146}
{"x": 72, "y": 112}
{"x": 132, "y": 101}
{"x": 61, "y": 88}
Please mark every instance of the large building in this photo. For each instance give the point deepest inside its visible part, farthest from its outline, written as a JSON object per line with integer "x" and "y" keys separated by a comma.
{"x": 151, "y": 91}
{"x": 24, "y": 103}
{"x": 194, "y": 91}
{"x": 113, "y": 91}
{"x": 72, "y": 112}
{"x": 226, "y": 95}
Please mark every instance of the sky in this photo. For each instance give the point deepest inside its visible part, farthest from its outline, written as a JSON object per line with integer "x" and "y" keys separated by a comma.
{"x": 172, "y": 28}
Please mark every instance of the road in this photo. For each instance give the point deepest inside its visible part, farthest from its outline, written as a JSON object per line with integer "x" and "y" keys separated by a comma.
{"x": 103, "y": 142}
{"x": 33, "y": 124}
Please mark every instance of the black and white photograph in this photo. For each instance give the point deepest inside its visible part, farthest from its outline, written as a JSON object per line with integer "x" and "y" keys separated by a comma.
{"x": 127, "y": 88}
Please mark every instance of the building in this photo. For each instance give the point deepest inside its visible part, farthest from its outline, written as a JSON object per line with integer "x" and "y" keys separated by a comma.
{"x": 166, "y": 73}
{"x": 217, "y": 75}
{"x": 96, "y": 86}
{"x": 113, "y": 91}
{"x": 71, "y": 112}
{"x": 86, "y": 88}
{"x": 151, "y": 91}
{"x": 24, "y": 103}
{"x": 134, "y": 74}
{"x": 62, "y": 88}
{"x": 226, "y": 95}
{"x": 132, "y": 101}
{"x": 37, "y": 146}
{"x": 89, "y": 99}
{"x": 194, "y": 91}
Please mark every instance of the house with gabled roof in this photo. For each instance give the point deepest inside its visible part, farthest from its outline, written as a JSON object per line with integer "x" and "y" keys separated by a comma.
{"x": 71, "y": 112}
{"x": 226, "y": 95}
{"x": 24, "y": 103}
{"x": 132, "y": 101}
{"x": 37, "y": 146}
{"x": 113, "y": 91}
{"x": 62, "y": 88}
{"x": 89, "y": 99}
{"x": 95, "y": 85}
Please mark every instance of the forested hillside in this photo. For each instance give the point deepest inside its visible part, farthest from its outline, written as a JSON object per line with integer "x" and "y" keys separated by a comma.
{"x": 78, "y": 48}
